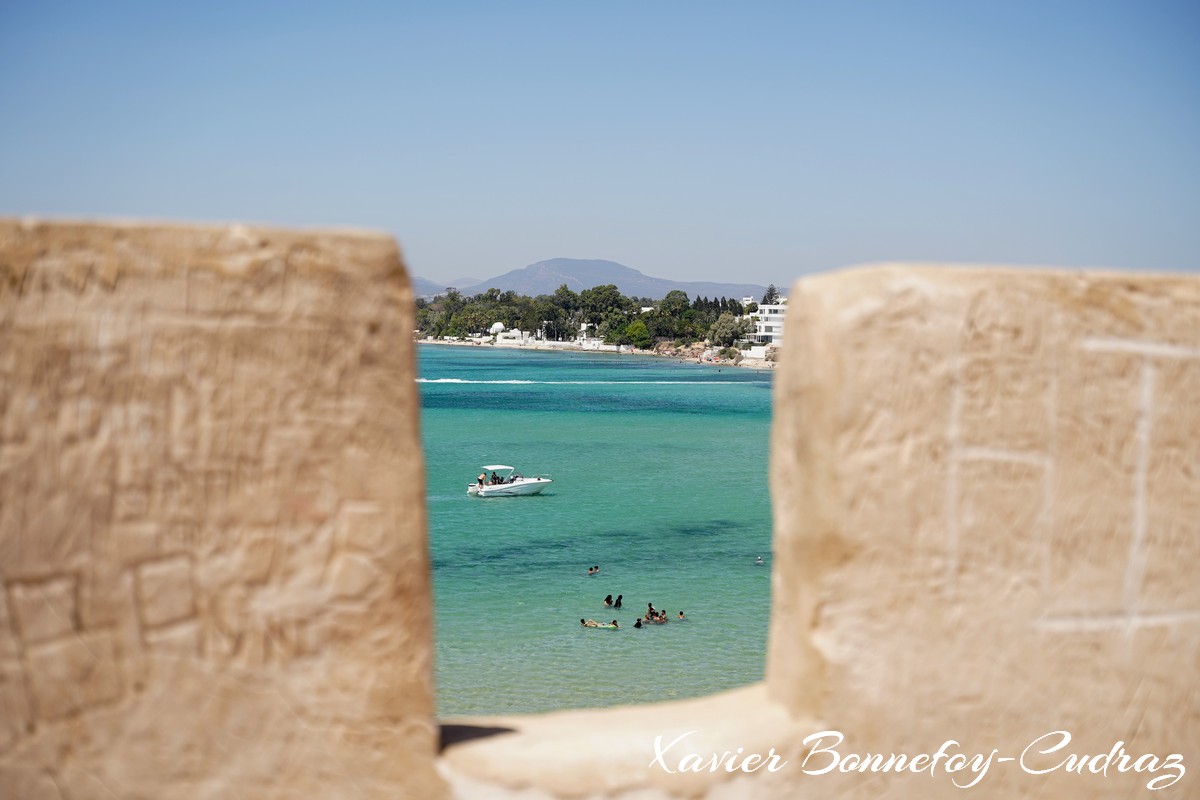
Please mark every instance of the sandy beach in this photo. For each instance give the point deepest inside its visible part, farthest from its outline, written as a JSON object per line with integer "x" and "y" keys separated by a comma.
{"x": 694, "y": 353}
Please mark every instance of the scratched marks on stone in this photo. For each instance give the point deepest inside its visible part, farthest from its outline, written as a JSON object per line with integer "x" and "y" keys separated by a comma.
{"x": 1085, "y": 442}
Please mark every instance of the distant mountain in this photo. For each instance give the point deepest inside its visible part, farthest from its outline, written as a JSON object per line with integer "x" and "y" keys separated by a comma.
{"x": 578, "y": 274}
{"x": 422, "y": 287}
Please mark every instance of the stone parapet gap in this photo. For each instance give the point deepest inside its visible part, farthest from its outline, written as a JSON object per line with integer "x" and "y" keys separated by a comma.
{"x": 214, "y": 578}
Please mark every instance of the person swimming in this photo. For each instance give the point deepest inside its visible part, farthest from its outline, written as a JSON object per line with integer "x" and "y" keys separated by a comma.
{"x": 618, "y": 603}
{"x": 608, "y": 601}
{"x": 637, "y": 623}
{"x": 681, "y": 616}
{"x": 589, "y": 623}
{"x": 759, "y": 561}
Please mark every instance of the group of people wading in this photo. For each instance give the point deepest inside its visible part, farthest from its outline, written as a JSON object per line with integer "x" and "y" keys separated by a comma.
{"x": 655, "y": 617}
{"x": 652, "y": 616}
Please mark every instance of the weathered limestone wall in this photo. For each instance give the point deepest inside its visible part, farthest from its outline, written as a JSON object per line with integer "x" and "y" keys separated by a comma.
{"x": 213, "y": 572}
{"x": 986, "y": 487}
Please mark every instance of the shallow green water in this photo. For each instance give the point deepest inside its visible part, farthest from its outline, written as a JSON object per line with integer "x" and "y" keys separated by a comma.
{"x": 660, "y": 478}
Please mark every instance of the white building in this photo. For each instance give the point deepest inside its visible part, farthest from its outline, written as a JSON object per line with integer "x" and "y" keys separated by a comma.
{"x": 511, "y": 335}
{"x": 768, "y": 322}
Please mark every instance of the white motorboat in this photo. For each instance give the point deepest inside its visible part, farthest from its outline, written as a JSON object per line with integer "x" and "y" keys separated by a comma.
{"x": 508, "y": 483}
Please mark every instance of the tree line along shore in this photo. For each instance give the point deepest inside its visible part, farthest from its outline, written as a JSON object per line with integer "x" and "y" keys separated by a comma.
{"x": 674, "y": 325}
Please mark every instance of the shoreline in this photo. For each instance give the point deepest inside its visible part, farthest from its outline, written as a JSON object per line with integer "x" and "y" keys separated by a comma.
{"x": 694, "y": 355}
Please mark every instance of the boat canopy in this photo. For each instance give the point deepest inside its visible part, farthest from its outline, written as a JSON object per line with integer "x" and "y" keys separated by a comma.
{"x": 497, "y": 466}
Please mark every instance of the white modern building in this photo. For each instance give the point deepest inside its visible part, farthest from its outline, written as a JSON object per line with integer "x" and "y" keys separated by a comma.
{"x": 768, "y": 321}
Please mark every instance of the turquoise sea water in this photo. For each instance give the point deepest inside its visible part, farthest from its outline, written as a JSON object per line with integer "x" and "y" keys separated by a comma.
{"x": 660, "y": 478}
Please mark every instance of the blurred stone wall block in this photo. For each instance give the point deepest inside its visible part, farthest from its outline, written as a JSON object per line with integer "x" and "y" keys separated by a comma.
{"x": 986, "y": 486}
{"x": 213, "y": 569}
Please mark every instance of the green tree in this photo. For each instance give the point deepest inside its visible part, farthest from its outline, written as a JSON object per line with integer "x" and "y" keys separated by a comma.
{"x": 639, "y": 335}
{"x": 475, "y": 319}
{"x": 660, "y": 324}
{"x": 674, "y": 304}
{"x": 728, "y": 329}
{"x": 667, "y": 320}
{"x": 611, "y": 327}
{"x": 529, "y": 318}
{"x": 566, "y": 299}
{"x": 771, "y": 297}
{"x": 600, "y": 300}
{"x": 453, "y": 301}
{"x": 552, "y": 319}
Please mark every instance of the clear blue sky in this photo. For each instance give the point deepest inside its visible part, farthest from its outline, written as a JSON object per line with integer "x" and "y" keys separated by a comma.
{"x": 709, "y": 141}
